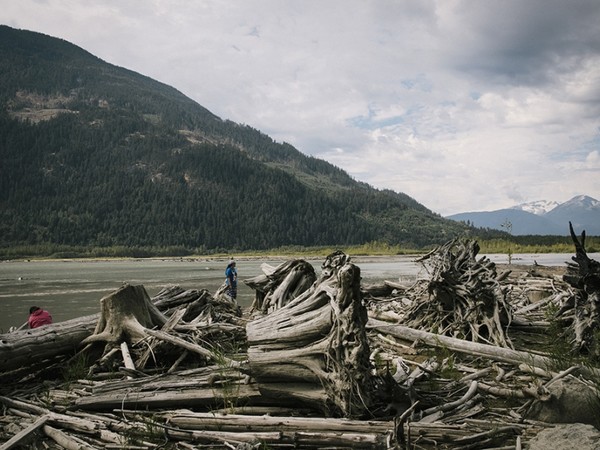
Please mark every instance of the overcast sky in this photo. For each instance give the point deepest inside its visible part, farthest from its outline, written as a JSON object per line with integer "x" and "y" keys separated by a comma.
{"x": 465, "y": 105}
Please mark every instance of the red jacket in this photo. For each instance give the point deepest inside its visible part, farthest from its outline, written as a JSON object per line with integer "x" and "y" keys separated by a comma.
{"x": 39, "y": 318}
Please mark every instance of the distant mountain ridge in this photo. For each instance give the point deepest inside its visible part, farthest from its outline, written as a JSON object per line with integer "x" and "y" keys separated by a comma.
{"x": 540, "y": 217}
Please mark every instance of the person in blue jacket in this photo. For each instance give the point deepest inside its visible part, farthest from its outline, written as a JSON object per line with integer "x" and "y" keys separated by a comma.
{"x": 231, "y": 279}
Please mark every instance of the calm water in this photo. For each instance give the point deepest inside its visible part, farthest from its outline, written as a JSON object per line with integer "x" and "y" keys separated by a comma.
{"x": 70, "y": 289}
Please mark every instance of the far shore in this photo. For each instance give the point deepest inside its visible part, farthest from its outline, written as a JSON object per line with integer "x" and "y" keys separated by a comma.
{"x": 244, "y": 257}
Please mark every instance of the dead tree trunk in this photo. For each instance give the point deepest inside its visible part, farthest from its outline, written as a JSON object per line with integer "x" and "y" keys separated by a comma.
{"x": 582, "y": 309}
{"x": 315, "y": 349}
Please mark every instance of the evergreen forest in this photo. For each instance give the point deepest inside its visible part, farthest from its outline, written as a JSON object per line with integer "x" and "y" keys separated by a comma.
{"x": 96, "y": 155}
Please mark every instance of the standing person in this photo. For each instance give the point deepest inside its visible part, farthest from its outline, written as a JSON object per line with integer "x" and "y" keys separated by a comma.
{"x": 231, "y": 279}
{"x": 38, "y": 317}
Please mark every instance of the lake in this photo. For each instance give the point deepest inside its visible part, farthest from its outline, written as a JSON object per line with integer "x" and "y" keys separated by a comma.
{"x": 70, "y": 289}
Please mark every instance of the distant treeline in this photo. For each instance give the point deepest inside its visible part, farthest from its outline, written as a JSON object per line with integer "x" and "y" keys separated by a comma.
{"x": 516, "y": 244}
{"x": 537, "y": 244}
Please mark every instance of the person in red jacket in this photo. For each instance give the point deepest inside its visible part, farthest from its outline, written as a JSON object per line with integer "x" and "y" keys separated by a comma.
{"x": 38, "y": 317}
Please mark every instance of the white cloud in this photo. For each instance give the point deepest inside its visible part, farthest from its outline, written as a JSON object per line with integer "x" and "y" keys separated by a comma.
{"x": 461, "y": 104}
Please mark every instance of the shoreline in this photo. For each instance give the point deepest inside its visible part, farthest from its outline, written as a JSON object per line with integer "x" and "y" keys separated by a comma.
{"x": 222, "y": 258}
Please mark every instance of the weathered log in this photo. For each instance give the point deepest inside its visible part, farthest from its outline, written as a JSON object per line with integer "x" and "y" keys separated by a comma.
{"x": 315, "y": 347}
{"x": 347, "y": 433}
{"x": 209, "y": 388}
{"x": 208, "y": 397}
{"x": 237, "y": 422}
{"x": 22, "y": 349}
{"x": 295, "y": 439}
{"x": 460, "y": 345}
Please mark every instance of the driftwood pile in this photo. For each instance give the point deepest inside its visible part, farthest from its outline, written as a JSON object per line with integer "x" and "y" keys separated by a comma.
{"x": 321, "y": 361}
{"x": 581, "y": 310}
{"x": 462, "y": 297}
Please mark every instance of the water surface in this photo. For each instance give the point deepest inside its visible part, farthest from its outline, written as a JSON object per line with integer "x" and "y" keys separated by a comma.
{"x": 70, "y": 289}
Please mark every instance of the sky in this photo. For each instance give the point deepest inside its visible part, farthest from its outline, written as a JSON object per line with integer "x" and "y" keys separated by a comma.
{"x": 464, "y": 105}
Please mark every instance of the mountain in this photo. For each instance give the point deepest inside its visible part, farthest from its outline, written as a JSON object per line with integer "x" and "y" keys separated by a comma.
{"x": 520, "y": 222}
{"x": 582, "y": 211}
{"x": 92, "y": 154}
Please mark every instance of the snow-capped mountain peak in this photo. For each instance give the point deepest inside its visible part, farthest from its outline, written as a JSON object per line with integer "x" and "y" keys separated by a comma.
{"x": 584, "y": 202}
{"x": 538, "y": 207}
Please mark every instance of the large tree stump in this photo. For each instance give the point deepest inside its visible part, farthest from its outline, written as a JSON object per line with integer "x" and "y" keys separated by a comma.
{"x": 315, "y": 348}
{"x": 125, "y": 315}
{"x": 129, "y": 316}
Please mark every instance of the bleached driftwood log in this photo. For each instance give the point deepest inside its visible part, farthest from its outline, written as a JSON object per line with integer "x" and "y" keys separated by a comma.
{"x": 208, "y": 387}
{"x": 315, "y": 349}
{"x": 38, "y": 347}
{"x": 303, "y": 432}
{"x": 460, "y": 345}
{"x": 237, "y": 422}
{"x": 283, "y": 439}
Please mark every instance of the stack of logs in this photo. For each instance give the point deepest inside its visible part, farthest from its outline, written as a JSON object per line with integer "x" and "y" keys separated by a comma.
{"x": 320, "y": 362}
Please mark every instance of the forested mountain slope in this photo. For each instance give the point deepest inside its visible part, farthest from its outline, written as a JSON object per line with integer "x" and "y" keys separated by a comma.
{"x": 94, "y": 154}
